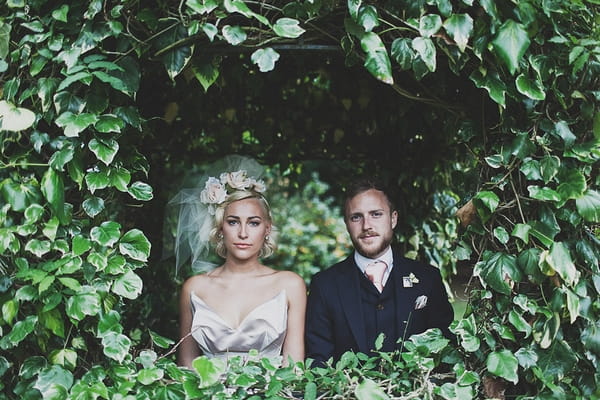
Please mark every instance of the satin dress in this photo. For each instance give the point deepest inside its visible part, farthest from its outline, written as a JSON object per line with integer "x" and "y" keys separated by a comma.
{"x": 263, "y": 329}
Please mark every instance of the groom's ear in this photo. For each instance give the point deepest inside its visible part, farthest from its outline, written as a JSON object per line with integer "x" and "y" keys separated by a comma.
{"x": 394, "y": 218}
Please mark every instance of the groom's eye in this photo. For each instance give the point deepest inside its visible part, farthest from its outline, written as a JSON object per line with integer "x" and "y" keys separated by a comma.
{"x": 355, "y": 217}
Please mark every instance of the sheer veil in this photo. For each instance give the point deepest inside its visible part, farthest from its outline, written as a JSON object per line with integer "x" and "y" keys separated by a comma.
{"x": 194, "y": 219}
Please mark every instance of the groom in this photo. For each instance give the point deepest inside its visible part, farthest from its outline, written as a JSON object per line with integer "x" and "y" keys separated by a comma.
{"x": 375, "y": 290}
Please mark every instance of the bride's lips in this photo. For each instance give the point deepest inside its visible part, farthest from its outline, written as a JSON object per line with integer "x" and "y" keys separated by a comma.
{"x": 242, "y": 245}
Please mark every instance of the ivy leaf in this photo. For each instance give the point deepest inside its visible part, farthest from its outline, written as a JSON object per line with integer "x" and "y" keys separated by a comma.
{"x": 54, "y": 191}
{"x": 504, "y": 364}
{"x": 459, "y": 28}
{"x": 54, "y": 381}
{"x": 403, "y": 52}
{"x": 93, "y": 206}
{"x": 377, "y": 61}
{"x": 571, "y": 183}
{"x": 588, "y": 206}
{"x": 61, "y": 157}
{"x": 511, "y": 43}
{"x": 206, "y": 73}
{"x": 288, "y": 28}
{"x": 86, "y": 302}
{"x": 107, "y": 234}
{"x": 141, "y": 191}
{"x": 128, "y": 285}
{"x": 74, "y": 124}
{"x": 116, "y": 346}
{"x": 493, "y": 84}
{"x": 265, "y": 59}
{"x": 562, "y": 130}
{"x": 369, "y": 390}
{"x": 119, "y": 178}
{"x": 210, "y": 370}
{"x": 429, "y": 25}
{"x": 33, "y": 213}
{"x": 96, "y": 180}
{"x": 147, "y": 376}
{"x": 135, "y": 245}
{"x": 499, "y": 271}
{"x": 105, "y": 150}
{"x": 19, "y": 332}
{"x": 533, "y": 89}
{"x": 368, "y": 18}
{"x": 543, "y": 193}
{"x": 353, "y": 7}
{"x": 4, "y": 39}
{"x": 109, "y": 123}
{"x": 80, "y": 245}
{"x": 239, "y": 6}
{"x": 66, "y": 358}
{"x": 426, "y": 50}
{"x": 14, "y": 118}
{"x": 176, "y": 58}
{"x": 560, "y": 260}
{"x": 234, "y": 35}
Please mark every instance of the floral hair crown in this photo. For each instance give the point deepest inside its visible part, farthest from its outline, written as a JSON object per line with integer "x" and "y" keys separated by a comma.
{"x": 216, "y": 191}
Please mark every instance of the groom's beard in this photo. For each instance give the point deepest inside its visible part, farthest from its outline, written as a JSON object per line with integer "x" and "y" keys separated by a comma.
{"x": 376, "y": 249}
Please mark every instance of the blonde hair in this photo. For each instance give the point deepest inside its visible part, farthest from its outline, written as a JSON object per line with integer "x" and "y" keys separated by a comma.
{"x": 216, "y": 238}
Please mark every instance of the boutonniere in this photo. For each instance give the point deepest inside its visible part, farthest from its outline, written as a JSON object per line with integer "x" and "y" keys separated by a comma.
{"x": 420, "y": 302}
{"x": 410, "y": 280}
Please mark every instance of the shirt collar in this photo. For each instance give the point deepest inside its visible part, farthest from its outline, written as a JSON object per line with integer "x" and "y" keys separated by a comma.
{"x": 362, "y": 261}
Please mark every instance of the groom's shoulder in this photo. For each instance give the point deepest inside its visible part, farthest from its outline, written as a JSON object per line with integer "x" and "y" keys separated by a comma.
{"x": 335, "y": 269}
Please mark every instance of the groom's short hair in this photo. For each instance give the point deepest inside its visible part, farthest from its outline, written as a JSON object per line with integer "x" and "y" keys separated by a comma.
{"x": 363, "y": 184}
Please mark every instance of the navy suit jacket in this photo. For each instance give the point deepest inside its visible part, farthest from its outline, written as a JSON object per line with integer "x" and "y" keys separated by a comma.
{"x": 334, "y": 319}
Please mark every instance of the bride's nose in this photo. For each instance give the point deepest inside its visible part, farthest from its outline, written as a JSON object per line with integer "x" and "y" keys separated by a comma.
{"x": 242, "y": 234}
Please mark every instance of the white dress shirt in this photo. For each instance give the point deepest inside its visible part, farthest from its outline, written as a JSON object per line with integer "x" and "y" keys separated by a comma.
{"x": 387, "y": 258}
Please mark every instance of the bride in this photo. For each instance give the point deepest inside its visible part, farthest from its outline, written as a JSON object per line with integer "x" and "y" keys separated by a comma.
{"x": 242, "y": 304}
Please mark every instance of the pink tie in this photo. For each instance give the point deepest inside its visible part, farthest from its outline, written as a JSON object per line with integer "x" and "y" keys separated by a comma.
{"x": 374, "y": 272}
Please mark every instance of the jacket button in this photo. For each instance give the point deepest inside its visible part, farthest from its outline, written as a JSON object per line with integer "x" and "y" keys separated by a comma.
{"x": 379, "y": 307}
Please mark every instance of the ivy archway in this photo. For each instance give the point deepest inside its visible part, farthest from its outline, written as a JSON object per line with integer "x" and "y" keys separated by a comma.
{"x": 75, "y": 164}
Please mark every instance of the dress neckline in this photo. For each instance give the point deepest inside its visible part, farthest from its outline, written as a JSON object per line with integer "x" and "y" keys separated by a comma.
{"x": 226, "y": 323}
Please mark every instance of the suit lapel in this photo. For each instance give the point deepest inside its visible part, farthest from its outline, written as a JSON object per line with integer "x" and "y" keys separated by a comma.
{"x": 349, "y": 294}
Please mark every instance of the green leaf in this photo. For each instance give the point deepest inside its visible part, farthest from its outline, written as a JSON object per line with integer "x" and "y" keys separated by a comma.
{"x": 209, "y": 370}
{"x": 501, "y": 234}
{"x": 533, "y": 89}
{"x": 527, "y": 357}
{"x": 147, "y": 376}
{"x": 177, "y": 58}
{"x": 206, "y": 73}
{"x": 492, "y": 83}
{"x": 560, "y": 260}
{"x": 489, "y": 200}
{"x": 519, "y": 322}
{"x": 521, "y": 231}
{"x": 53, "y": 321}
{"x": 13, "y": 118}
{"x": 426, "y": 50}
{"x": 116, "y": 346}
{"x": 128, "y": 285}
{"x": 66, "y": 358}
{"x": 353, "y": 7}
{"x": 54, "y": 191}
{"x": 499, "y": 271}
{"x": 98, "y": 260}
{"x": 377, "y": 61}
{"x": 549, "y": 166}
{"x": 571, "y": 183}
{"x": 93, "y": 206}
{"x": 544, "y": 193}
{"x": 240, "y": 7}
{"x": 9, "y": 310}
{"x": 135, "y": 245}
{"x": 80, "y": 245}
{"x": 562, "y": 130}
{"x": 73, "y": 124}
{"x": 161, "y": 341}
{"x": 141, "y": 191}
{"x": 459, "y": 28}
{"x": 369, "y": 390}
{"x": 288, "y": 28}
{"x": 19, "y": 332}
{"x": 504, "y": 364}
{"x": 367, "y": 18}
{"x": 33, "y": 213}
{"x": 109, "y": 123}
{"x": 403, "y": 52}
{"x": 61, "y": 157}
{"x": 70, "y": 283}
{"x": 105, "y": 149}
{"x": 234, "y": 35}
{"x": 588, "y": 206}
{"x": 466, "y": 329}
{"x": 429, "y": 25}
{"x": 511, "y": 43}
{"x": 265, "y": 59}
{"x": 96, "y": 180}
{"x": 107, "y": 234}
{"x": 558, "y": 359}
{"x": 54, "y": 381}
{"x": 201, "y": 6}
{"x": 86, "y": 302}
{"x": 4, "y": 39}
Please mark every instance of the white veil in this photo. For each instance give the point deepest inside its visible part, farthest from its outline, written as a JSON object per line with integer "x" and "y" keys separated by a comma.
{"x": 194, "y": 218}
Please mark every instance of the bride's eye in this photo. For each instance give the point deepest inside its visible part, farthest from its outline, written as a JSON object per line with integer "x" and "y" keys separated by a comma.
{"x": 232, "y": 221}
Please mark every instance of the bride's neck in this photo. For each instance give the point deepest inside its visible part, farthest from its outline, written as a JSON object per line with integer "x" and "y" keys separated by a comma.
{"x": 241, "y": 268}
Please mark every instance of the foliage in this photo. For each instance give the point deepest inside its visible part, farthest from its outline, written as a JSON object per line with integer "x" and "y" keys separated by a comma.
{"x": 77, "y": 123}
